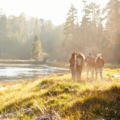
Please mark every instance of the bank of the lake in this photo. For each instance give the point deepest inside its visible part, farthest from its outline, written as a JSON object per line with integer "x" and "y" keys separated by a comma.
{"x": 71, "y": 99}
{"x": 54, "y": 64}
{"x": 10, "y": 61}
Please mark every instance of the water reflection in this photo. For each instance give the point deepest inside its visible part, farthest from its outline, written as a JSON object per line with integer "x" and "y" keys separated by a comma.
{"x": 15, "y": 72}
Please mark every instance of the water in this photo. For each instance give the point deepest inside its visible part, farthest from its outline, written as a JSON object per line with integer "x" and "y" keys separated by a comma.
{"x": 20, "y": 72}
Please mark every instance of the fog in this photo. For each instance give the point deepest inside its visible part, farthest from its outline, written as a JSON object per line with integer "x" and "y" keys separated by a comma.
{"x": 88, "y": 34}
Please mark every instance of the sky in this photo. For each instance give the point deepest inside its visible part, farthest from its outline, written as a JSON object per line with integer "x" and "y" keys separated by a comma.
{"x": 54, "y": 10}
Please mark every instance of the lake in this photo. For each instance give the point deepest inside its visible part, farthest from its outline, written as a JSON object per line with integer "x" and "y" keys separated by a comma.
{"x": 20, "y": 72}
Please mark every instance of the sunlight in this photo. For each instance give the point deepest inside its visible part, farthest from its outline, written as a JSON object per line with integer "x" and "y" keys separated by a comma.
{"x": 54, "y": 10}
{"x": 60, "y": 59}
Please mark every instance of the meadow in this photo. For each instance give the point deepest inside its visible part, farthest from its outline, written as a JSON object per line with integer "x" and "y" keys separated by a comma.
{"x": 70, "y": 99}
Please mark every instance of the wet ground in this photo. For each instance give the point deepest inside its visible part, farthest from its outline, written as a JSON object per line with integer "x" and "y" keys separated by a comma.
{"x": 20, "y": 72}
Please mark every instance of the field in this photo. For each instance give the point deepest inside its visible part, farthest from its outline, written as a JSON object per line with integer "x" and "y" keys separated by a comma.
{"x": 69, "y": 99}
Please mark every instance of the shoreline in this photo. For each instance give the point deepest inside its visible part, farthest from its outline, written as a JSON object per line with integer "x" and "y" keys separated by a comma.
{"x": 53, "y": 64}
{"x": 20, "y": 62}
{"x": 33, "y": 62}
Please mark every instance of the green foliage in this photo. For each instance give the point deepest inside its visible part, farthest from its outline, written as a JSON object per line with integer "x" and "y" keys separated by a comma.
{"x": 113, "y": 26}
{"x": 36, "y": 48}
{"x": 70, "y": 28}
{"x": 17, "y": 34}
{"x": 93, "y": 35}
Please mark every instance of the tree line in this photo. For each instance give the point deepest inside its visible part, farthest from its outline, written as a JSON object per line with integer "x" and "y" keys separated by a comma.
{"x": 19, "y": 34}
{"x": 97, "y": 32}
{"x": 23, "y": 37}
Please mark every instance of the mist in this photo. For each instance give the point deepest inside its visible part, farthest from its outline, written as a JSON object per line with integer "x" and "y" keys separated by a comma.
{"x": 90, "y": 34}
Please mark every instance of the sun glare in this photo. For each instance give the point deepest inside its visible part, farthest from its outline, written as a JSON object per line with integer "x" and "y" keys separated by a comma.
{"x": 54, "y": 10}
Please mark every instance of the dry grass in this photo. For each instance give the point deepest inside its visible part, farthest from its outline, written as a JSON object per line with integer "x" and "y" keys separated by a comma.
{"x": 59, "y": 64}
{"x": 10, "y": 61}
{"x": 72, "y": 99}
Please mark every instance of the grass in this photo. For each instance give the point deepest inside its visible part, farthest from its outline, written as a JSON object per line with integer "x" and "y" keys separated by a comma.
{"x": 72, "y": 99}
{"x": 59, "y": 64}
{"x": 10, "y": 61}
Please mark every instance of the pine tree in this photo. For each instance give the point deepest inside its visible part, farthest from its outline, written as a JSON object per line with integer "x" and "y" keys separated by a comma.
{"x": 36, "y": 48}
{"x": 70, "y": 27}
{"x": 91, "y": 21}
{"x": 113, "y": 25}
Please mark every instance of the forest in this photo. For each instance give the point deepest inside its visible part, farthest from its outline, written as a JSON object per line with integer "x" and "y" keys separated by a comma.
{"x": 97, "y": 32}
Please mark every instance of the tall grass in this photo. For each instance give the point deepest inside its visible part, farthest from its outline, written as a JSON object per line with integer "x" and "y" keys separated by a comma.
{"x": 72, "y": 99}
